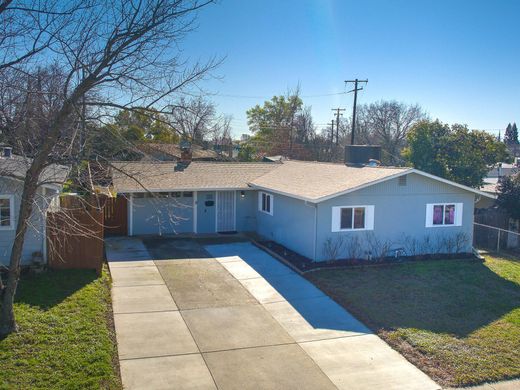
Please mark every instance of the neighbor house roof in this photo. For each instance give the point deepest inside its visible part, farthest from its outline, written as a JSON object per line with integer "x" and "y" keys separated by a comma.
{"x": 489, "y": 187}
{"x": 173, "y": 151}
{"x": 310, "y": 181}
{"x": 16, "y": 168}
{"x": 198, "y": 175}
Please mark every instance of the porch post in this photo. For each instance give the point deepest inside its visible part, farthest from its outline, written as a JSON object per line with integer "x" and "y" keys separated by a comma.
{"x": 131, "y": 215}
{"x": 194, "y": 212}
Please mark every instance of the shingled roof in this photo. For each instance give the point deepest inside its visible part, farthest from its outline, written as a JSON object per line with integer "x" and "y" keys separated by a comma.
{"x": 198, "y": 175}
{"x": 307, "y": 180}
{"x": 16, "y": 167}
{"x": 172, "y": 152}
{"x": 314, "y": 180}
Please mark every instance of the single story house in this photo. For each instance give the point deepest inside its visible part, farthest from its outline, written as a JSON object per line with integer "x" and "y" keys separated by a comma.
{"x": 302, "y": 205}
{"x": 305, "y": 206}
{"x": 12, "y": 173}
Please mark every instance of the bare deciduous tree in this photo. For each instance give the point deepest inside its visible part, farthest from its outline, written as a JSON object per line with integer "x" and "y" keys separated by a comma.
{"x": 196, "y": 118}
{"x": 121, "y": 54}
{"x": 387, "y": 123}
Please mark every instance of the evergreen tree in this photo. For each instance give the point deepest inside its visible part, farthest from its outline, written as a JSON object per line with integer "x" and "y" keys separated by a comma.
{"x": 514, "y": 130}
{"x": 511, "y": 135}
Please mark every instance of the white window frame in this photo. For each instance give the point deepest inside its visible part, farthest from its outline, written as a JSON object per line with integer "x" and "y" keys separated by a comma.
{"x": 11, "y": 212}
{"x": 260, "y": 203}
{"x": 369, "y": 218}
{"x": 457, "y": 219}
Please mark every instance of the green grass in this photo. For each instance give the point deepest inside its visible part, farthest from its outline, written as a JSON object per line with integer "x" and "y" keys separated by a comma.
{"x": 65, "y": 338}
{"x": 457, "y": 320}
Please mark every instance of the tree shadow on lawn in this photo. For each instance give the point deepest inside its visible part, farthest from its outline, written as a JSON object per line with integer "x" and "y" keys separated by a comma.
{"x": 455, "y": 297}
{"x": 50, "y": 288}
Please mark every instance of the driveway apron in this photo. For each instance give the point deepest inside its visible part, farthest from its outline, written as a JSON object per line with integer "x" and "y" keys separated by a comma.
{"x": 229, "y": 316}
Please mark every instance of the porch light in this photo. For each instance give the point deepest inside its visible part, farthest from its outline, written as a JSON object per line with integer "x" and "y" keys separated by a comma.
{"x": 242, "y": 194}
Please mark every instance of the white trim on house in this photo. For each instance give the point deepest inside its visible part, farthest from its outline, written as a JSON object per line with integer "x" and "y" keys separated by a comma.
{"x": 261, "y": 203}
{"x": 368, "y": 222}
{"x": 190, "y": 189}
{"x": 10, "y": 197}
{"x": 457, "y": 219}
{"x": 131, "y": 212}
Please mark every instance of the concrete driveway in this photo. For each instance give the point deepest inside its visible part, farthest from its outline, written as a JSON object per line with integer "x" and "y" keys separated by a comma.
{"x": 229, "y": 316}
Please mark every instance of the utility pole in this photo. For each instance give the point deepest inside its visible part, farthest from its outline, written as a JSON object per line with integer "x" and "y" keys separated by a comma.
{"x": 331, "y": 137}
{"x": 355, "y": 90}
{"x": 337, "y": 122}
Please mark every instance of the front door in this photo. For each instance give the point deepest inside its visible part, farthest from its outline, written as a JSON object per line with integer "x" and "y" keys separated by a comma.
{"x": 226, "y": 211}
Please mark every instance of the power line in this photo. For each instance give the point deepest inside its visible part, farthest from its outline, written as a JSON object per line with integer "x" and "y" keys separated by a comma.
{"x": 267, "y": 98}
{"x": 355, "y": 90}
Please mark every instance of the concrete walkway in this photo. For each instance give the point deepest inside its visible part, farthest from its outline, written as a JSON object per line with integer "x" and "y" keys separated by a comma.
{"x": 232, "y": 317}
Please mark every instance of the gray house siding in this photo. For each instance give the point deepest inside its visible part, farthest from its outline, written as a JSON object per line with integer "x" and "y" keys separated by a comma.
{"x": 292, "y": 224}
{"x": 246, "y": 211}
{"x": 34, "y": 237}
{"x": 176, "y": 215}
{"x": 399, "y": 212}
{"x": 162, "y": 215}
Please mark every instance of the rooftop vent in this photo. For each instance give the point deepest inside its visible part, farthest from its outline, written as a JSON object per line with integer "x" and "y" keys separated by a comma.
{"x": 362, "y": 155}
{"x": 7, "y": 152}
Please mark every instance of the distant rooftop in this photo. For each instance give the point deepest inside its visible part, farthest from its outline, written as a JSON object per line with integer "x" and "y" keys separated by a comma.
{"x": 16, "y": 167}
{"x": 172, "y": 152}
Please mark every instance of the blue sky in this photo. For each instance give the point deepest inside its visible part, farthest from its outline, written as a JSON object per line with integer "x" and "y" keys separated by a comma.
{"x": 459, "y": 60}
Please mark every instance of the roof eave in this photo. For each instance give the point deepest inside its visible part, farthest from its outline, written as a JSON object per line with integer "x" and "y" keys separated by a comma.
{"x": 360, "y": 187}
{"x": 194, "y": 189}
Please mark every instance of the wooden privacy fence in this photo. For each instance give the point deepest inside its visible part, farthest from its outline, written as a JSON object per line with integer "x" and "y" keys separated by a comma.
{"x": 115, "y": 214}
{"x": 75, "y": 235}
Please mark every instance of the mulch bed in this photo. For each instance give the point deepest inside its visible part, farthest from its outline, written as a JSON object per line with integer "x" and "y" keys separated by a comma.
{"x": 305, "y": 264}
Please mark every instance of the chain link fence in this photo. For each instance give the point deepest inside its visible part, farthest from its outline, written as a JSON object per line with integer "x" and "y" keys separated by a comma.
{"x": 495, "y": 239}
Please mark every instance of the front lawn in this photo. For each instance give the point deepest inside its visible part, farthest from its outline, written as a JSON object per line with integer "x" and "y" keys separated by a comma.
{"x": 66, "y": 339}
{"x": 457, "y": 320}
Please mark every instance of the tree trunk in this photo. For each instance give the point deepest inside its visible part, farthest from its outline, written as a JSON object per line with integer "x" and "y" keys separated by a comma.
{"x": 7, "y": 319}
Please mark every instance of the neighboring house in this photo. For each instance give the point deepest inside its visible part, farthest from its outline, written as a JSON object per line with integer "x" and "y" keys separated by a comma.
{"x": 173, "y": 152}
{"x": 12, "y": 173}
{"x": 273, "y": 158}
{"x": 301, "y": 205}
{"x": 493, "y": 176}
{"x": 503, "y": 169}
